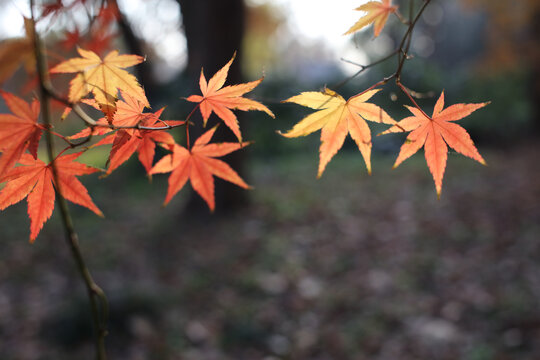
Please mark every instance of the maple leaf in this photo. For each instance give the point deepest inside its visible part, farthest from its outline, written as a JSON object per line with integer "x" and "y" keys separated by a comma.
{"x": 198, "y": 165}
{"x": 337, "y": 118}
{"x": 434, "y": 133}
{"x": 18, "y": 131}
{"x": 143, "y": 141}
{"x": 377, "y": 13}
{"x": 125, "y": 142}
{"x": 221, "y": 99}
{"x": 129, "y": 112}
{"x": 102, "y": 77}
{"x": 34, "y": 180}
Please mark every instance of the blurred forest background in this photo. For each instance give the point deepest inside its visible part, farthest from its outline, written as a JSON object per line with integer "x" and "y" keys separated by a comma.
{"x": 345, "y": 267}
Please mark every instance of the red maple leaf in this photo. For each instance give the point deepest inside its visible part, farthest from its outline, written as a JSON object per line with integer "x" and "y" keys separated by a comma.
{"x": 34, "y": 180}
{"x": 18, "y": 131}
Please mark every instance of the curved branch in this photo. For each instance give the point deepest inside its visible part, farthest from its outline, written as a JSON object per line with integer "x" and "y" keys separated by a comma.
{"x": 98, "y": 300}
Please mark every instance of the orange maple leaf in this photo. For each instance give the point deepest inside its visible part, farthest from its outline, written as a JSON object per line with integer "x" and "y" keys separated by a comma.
{"x": 130, "y": 112}
{"x": 221, "y": 100}
{"x": 35, "y": 180}
{"x": 434, "y": 133}
{"x": 377, "y": 13}
{"x": 18, "y": 131}
{"x": 143, "y": 141}
{"x": 336, "y": 118}
{"x": 126, "y": 141}
{"x": 198, "y": 165}
{"x": 103, "y": 78}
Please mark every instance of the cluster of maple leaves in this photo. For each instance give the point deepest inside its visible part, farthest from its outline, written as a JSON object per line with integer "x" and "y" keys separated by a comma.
{"x": 126, "y": 126}
{"x": 104, "y": 84}
{"x": 336, "y": 117}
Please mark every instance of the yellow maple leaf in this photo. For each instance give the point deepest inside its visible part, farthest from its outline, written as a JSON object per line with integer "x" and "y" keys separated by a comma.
{"x": 337, "y": 118}
{"x": 103, "y": 78}
{"x": 377, "y": 13}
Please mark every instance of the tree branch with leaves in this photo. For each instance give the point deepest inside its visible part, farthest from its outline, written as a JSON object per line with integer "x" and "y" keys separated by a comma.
{"x": 102, "y": 84}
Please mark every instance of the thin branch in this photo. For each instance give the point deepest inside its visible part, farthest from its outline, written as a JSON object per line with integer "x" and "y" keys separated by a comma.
{"x": 93, "y": 123}
{"x": 98, "y": 300}
{"x": 363, "y": 68}
{"x": 407, "y": 37}
{"x": 401, "y": 51}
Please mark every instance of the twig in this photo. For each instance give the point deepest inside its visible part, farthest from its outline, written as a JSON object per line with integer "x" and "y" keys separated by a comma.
{"x": 362, "y": 69}
{"x": 93, "y": 123}
{"x": 407, "y": 37}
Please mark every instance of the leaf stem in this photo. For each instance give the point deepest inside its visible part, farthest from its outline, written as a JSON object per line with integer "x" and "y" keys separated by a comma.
{"x": 406, "y": 91}
{"x": 187, "y": 125}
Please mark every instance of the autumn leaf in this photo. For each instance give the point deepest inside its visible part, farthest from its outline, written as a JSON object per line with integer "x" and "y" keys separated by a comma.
{"x": 222, "y": 99}
{"x": 103, "y": 78}
{"x": 434, "y": 133}
{"x": 130, "y": 112}
{"x": 376, "y": 13}
{"x": 199, "y": 165}
{"x": 337, "y": 118}
{"x": 125, "y": 142}
{"x": 34, "y": 180}
{"x": 142, "y": 141}
{"x": 18, "y": 131}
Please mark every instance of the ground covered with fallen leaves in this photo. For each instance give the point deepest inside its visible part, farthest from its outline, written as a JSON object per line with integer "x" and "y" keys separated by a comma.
{"x": 345, "y": 267}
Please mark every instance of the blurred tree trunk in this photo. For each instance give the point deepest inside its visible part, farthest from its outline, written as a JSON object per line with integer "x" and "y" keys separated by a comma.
{"x": 136, "y": 46}
{"x": 535, "y": 63}
{"x": 214, "y": 31}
